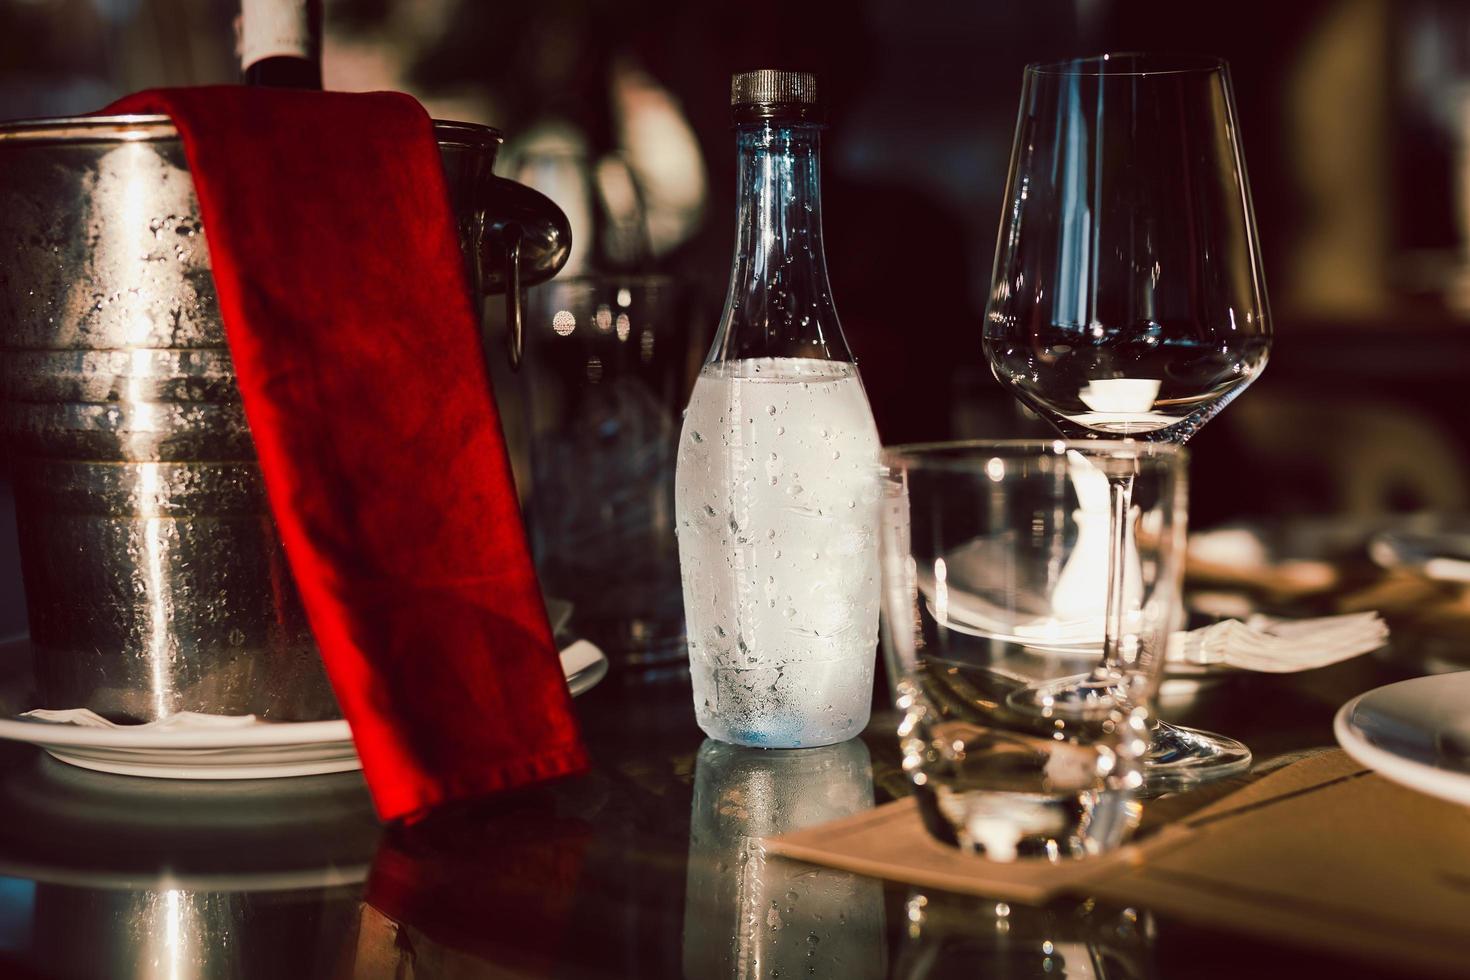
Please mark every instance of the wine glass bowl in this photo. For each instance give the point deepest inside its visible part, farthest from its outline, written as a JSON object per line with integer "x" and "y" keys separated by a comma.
{"x": 1127, "y": 297}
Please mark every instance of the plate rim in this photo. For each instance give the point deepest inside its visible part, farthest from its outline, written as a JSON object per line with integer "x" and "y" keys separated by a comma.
{"x": 1444, "y": 784}
{"x": 342, "y": 761}
{"x": 281, "y": 734}
{"x": 250, "y": 736}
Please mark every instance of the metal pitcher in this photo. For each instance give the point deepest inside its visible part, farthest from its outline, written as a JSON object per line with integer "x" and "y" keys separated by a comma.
{"x": 155, "y": 580}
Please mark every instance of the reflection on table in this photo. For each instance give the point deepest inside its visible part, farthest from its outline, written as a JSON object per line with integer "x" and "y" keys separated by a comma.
{"x": 113, "y": 876}
{"x": 747, "y": 914}
{"x": 960, "y": 936}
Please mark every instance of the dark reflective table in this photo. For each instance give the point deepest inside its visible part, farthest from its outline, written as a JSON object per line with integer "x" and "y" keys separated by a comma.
{"x": 649, "y": 866}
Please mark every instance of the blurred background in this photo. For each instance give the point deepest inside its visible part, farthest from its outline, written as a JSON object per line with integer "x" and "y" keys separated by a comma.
{"x": 1356, "y": 121}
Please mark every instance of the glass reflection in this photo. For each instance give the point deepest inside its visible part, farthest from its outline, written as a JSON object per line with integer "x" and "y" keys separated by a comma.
{"x": 953, "y": 936}
{"x": 748, "y": 914}
{"x": 601, "y": 426}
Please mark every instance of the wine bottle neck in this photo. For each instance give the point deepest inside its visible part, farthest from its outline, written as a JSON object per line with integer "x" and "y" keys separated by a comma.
{"x": 280, "y": 43}
{"x": 780, "y": 302}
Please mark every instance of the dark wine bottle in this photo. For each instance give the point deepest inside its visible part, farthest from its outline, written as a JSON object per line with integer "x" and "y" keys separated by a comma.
{"x": 281, "y": 43}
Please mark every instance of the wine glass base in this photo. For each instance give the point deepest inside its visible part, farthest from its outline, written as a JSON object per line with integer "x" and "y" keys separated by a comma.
{"x": 1083, "y": 697}
{"x": 1180, "y": 758}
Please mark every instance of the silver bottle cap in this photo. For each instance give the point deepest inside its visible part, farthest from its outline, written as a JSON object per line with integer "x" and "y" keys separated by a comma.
{"x": 769, "y": 93}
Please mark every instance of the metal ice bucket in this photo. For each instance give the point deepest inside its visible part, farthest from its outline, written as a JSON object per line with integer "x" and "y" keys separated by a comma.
{"x": 155, "y": 580}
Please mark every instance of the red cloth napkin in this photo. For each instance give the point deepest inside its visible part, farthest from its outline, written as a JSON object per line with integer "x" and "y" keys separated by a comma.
{"x": 357, "y": 351}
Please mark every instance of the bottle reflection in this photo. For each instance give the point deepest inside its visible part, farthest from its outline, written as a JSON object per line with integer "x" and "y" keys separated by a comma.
{"x": 962, "y": 936}
{"x": 752, "y": 915}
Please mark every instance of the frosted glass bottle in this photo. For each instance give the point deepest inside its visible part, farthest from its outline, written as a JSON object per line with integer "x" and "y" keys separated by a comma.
{"x": 776, "y": 491}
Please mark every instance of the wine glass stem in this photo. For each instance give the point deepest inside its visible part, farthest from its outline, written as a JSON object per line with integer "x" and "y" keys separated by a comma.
{"x": 1120, "y": 501}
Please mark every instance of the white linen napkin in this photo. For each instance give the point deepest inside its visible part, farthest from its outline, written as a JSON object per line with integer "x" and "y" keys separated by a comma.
{"x": 1280, "y": 646}
{"x": 178, "y": 721}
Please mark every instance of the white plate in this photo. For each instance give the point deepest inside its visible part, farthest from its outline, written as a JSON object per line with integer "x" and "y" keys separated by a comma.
{"x": 1443, "y": 555}
{"x": 1415, "y": 732}
{"x": 256, "y": 752}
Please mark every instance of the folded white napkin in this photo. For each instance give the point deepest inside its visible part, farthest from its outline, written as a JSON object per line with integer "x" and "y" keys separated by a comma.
{"x": 578, "y": 657}
{"x": 179, "y": 721}
{"x": 1261, "y": 643}
{"x": 1280, "y": 646}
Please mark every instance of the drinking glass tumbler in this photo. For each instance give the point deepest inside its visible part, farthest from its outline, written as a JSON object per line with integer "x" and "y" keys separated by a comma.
{"x": 609, "y": 363}
{"x": 991, "y": 555}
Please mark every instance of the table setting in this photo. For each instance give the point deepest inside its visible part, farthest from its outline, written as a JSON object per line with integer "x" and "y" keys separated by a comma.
{"x": 307, "y": 634}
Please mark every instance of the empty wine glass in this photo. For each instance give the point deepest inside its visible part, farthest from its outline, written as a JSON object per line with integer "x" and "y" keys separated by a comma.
{"x": 1127, "y": 299}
